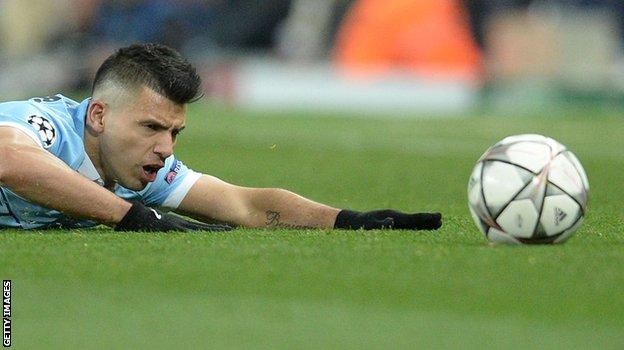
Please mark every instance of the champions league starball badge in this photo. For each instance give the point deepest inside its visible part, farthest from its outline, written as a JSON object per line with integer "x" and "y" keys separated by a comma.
{"x": 44, "y": 128}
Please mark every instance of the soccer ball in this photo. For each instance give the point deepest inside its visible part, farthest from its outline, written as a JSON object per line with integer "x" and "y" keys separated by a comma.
{"x": 528, "y": 189}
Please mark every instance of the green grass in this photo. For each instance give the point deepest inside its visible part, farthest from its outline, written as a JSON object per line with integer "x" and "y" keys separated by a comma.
{"x": 336, "y": 289}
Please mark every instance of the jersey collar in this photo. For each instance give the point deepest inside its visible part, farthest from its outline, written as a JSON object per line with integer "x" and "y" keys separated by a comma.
{"x": 87, "y": 169}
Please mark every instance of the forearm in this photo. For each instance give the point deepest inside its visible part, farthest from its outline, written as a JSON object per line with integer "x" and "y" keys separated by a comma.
{"x": 213, "y": 199}
{"x": 271, "y": 207}
{"x": 43, "y": 179}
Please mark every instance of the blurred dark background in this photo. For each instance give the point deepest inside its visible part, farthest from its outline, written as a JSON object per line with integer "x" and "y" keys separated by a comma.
{"x": 432, "y": 55}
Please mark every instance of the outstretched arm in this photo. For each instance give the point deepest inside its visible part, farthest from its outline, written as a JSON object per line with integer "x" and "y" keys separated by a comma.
{"x": 214, "y": 199}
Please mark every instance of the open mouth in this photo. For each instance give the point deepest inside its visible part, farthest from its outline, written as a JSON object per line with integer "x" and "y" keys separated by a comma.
{"x": 150, "y": 171}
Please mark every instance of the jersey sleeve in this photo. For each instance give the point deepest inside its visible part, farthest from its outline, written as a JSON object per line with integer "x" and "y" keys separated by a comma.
{"x": 39, "y": 125}
{"x": 172, "y": 184}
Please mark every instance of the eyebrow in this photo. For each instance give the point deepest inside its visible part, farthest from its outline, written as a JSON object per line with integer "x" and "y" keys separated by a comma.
{"x": 152, "y": 120}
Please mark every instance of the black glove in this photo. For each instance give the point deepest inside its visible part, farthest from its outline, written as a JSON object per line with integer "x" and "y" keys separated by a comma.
{"x": 142, "y": 218}
{"x": 387, "y": 219}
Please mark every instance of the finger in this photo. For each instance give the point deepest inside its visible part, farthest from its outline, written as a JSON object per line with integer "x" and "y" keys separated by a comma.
{"x": 426, "y": 221}
{"x": 418, "y": 221}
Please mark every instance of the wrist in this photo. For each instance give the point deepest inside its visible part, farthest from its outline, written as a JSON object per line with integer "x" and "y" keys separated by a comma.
{"x": 120, "y": 212}
{"x": 347, "y": 219}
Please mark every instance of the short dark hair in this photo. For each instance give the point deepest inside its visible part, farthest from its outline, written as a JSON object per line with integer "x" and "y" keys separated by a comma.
{"x": 156, "y": 66}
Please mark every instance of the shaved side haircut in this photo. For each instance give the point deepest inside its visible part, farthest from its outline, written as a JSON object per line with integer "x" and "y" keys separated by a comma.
{"x": 155, "y": 66}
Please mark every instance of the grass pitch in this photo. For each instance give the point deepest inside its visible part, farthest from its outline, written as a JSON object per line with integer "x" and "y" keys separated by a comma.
{"x": 337, "y": 289}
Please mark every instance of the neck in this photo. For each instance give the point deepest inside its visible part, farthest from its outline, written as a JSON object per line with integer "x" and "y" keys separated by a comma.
{"x": 92, "y": 148}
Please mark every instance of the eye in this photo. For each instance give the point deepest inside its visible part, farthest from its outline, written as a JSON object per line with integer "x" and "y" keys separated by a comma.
{"x": 153, "y": 127}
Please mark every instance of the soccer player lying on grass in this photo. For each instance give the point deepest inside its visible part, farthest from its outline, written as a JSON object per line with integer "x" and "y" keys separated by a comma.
{"x": 108, "y": 159}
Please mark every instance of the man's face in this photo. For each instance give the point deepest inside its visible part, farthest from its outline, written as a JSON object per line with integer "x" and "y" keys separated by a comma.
{"x": 138, "y": 136}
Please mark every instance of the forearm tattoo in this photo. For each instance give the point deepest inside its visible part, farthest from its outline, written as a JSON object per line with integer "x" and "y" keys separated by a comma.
{"x": 273, "y": 221}
{"x": 272, "y": 218}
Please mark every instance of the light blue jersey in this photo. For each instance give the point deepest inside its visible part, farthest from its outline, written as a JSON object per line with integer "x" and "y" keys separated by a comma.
{"x": 57, "y": 124}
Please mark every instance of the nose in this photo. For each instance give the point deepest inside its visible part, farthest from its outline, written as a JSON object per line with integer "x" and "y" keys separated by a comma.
{"x": 164, "y": 147}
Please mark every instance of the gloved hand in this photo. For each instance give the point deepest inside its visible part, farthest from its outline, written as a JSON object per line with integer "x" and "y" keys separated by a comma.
{"x": 387, "y": 219}
{"x": 142, "y": 218}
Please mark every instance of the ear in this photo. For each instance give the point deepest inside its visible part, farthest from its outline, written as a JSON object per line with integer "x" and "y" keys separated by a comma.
{"x": 95, "y": 116}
